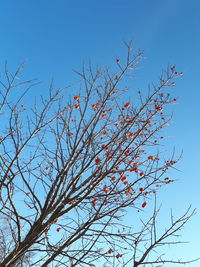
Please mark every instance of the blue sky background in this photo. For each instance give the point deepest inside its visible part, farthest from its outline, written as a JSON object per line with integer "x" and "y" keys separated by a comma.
{"x": 54, "y": 37}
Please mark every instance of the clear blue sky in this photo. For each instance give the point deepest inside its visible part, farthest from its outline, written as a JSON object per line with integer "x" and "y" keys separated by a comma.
{"x": 54, "y": 37}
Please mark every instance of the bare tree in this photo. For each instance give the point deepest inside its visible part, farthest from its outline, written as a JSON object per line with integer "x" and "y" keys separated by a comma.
{"x": 71, "y": 167}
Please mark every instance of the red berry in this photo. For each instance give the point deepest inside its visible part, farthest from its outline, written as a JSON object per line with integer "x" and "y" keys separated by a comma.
{"x": 118, "y": 256}
{"x": 76, "y": 97}
{"x": 144, "y": 204}
{"x": 94, "y": 202}
{"x": 95, "y": 105}
{"x": 127, "y": 105}
{"x": 123, "y": 178}
{"x": 131, "y": 135}
{"x": 77, "y": 106}
{"x": 97, "y": 161}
